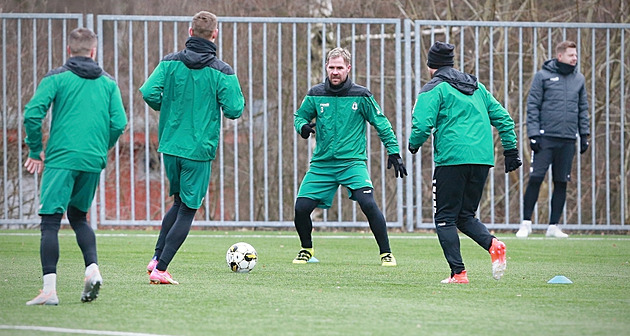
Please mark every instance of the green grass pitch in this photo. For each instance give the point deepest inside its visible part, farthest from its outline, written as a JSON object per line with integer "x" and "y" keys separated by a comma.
{"x": 347, "y": 293}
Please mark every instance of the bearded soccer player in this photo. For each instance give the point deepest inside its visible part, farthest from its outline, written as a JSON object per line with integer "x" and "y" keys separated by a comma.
{"x": 337, "y": 112}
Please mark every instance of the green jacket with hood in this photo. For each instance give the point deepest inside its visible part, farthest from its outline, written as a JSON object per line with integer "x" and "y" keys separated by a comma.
{"x": 87, "y": 116}
{"x": 190, "y": 88}
{"x": 340, "y": 115}
{"x": 459, "y": 112}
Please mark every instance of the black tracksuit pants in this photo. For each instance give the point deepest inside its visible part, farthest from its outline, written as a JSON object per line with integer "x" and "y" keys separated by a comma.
{"x": 456, "y": 195}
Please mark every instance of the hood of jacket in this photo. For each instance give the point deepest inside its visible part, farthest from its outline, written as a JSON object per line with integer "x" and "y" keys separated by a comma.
{"x": 84, "y": 67}
{"x": 463, "y": 82}
{"x": 199, "y": 53}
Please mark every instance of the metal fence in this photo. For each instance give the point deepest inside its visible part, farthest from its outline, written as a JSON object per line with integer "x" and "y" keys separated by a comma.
{"x": 505, "y": 56}
{"x": 261, "y": 160}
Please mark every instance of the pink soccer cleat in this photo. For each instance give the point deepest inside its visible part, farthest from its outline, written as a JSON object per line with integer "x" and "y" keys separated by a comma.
{"x": 161, "y": 278}
{"x": 497, "y": 253}
{"x": 460, "y": 277}
{"x": 151, "y": 265}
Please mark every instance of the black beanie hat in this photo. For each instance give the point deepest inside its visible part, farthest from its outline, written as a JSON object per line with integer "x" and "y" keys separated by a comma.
{"x": 441, "y": 54}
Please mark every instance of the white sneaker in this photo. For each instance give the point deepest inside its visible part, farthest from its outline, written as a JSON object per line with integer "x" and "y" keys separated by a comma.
{"x": 554, "y": 231}
{"x": 525, "y": 229}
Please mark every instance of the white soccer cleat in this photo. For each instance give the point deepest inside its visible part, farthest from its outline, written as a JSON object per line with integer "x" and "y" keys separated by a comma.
{"x": 525, "y": 229}
{"x": 553, "y": 231}
{"x": 47, "y": 299}
{"x": 92, "y": 285}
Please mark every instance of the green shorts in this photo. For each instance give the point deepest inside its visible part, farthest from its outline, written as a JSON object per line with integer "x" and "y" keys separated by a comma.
{"x": 322, "y": 180}
{"x": 189, "y": 178}
{"x": 64, "y": 187}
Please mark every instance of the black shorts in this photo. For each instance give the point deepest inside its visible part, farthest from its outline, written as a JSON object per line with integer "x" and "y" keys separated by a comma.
{"x": 556, "y": 152}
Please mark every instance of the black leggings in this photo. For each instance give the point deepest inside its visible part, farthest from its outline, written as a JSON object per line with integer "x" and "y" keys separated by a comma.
{"x": 49, "y": 242}
{"x": 364, "y": 196}
{"x": 175, "y": 234}
{"x": 167, "y": 224}
{"x": 558, "y": 198}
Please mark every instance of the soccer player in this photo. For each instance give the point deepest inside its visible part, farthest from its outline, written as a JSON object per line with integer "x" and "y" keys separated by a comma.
{"x": 190, "y": 88}
{"x": 459, "y": 112}
{"x": 341, "y": 109}
{"x": 87, "y": 118}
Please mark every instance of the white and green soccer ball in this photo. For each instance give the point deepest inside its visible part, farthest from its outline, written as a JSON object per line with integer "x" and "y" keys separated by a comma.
{"x": 241, "y": 257}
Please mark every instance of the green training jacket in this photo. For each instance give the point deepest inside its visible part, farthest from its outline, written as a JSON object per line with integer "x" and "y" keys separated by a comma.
{"x": 459, "y": 112}
{"x": 87, "y": 116}
{"x": 340, "y": 115}
{"x": 190, "y": 88}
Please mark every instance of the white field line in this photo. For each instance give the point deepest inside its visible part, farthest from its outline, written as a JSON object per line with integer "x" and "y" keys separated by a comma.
{"x": 267, "y": 236}
{"x": 75, "y": 331}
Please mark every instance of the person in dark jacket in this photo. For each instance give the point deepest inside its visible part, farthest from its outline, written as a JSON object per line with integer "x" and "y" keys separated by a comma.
{"x": 557, "y": 114}
{"x": 460, "y": 113}
{"x": 342, "y": 110}
{"x": 190, "y": 88}
{"x": 86, "y": 100}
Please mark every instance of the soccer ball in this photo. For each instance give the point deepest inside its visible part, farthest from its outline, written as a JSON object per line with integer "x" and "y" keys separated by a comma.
{"x": 241, "y": 257}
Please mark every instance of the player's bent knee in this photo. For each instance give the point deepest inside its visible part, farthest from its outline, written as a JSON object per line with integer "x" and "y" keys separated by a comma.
{"x": 75, "y": 214}
{"x": 442, "y": 225}
{"x": 560, "y": 184}
{"x": 304, "y": 206}
{"x": 50, "y": 226}
{"x": 365, "y": 198}
{"x": 536, "y": 179}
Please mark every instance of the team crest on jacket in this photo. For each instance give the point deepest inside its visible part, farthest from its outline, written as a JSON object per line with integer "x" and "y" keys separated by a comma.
{"x": 355, "y": 106}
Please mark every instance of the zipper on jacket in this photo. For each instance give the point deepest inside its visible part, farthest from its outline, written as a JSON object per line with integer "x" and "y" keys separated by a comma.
{"x": 566, "y": 92}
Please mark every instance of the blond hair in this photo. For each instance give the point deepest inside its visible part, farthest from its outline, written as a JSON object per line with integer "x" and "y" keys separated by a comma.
{"x": 204, "y": 24}
{"x": 339, "y": 52}
{"x": 81, "y": 41}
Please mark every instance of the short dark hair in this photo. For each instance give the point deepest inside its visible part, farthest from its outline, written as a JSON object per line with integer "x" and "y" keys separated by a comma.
{"x": 204, "y": 24}
{"x": 81, "y": 41}
{"x": 564, "y": 45}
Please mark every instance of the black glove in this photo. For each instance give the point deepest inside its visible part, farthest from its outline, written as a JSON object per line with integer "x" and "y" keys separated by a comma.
{"x": 412, "y": 150}
{"x": 583, "y": 144}
{"x": 512, "y": 161}
{"x": 534, "y": 143}
{"x": 397, "y": 162}
{"x": 306, "y": 130}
